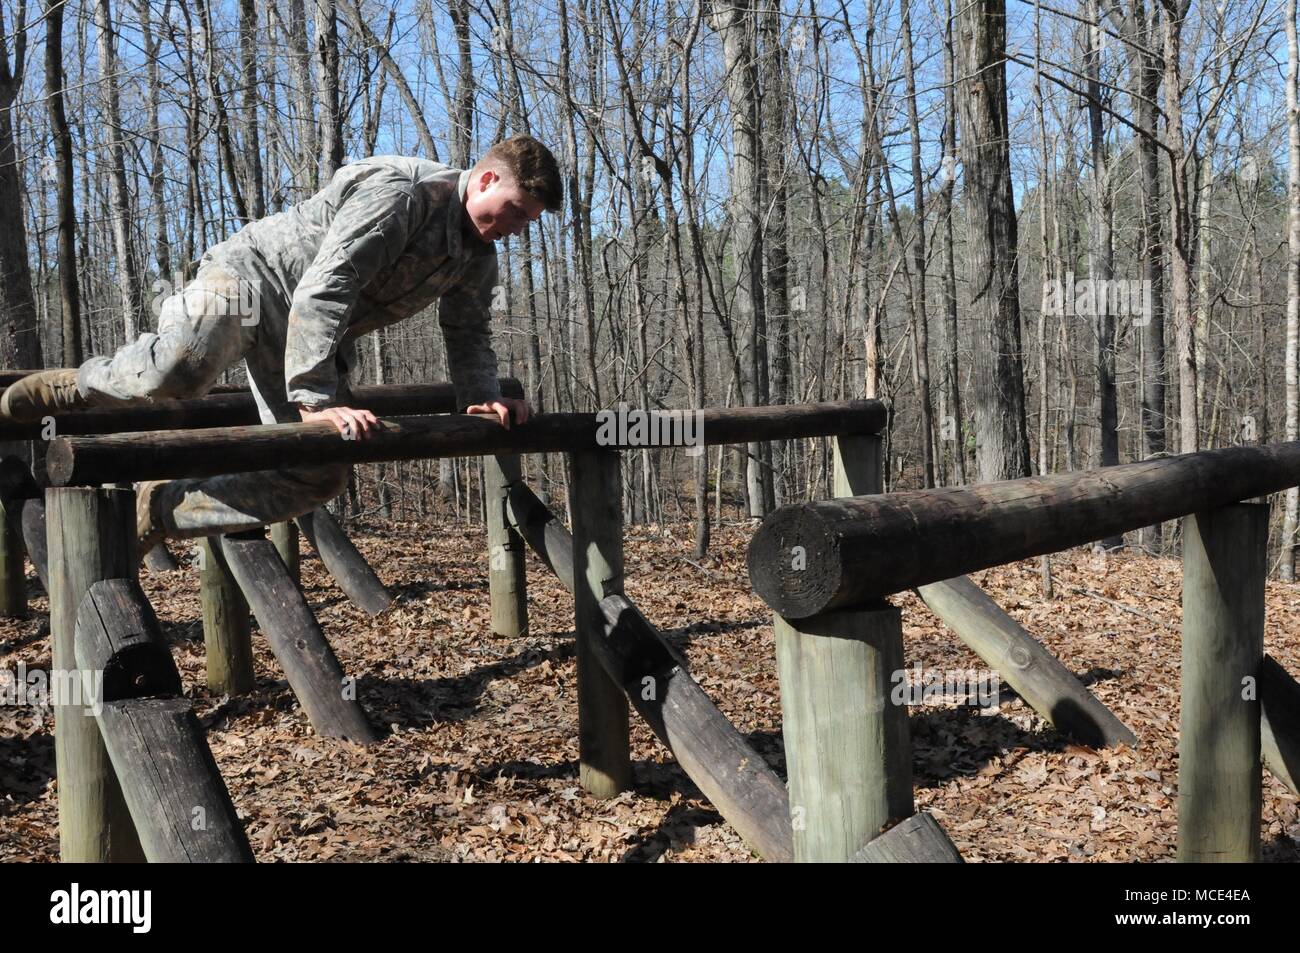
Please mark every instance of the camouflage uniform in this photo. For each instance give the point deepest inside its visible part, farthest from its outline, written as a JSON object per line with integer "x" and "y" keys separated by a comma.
{"x": 290, "y": 294}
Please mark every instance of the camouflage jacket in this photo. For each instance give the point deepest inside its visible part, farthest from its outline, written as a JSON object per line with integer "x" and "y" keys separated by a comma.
{"x": 378, "y": 244}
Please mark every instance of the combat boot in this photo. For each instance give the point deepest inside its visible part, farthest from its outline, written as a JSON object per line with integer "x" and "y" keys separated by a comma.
{"x": 46, "y": 394}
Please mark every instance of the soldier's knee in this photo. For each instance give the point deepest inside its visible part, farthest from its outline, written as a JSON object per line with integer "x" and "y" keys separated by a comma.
{"x": 323, "y": 483}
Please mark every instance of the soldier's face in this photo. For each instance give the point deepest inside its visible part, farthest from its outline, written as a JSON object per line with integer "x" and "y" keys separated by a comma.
{"x": 498, "y": 208}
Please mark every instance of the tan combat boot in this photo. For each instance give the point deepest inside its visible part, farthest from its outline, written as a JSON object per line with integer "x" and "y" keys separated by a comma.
{"x": 149, "y": 530}
{"x": 49, "y": 393}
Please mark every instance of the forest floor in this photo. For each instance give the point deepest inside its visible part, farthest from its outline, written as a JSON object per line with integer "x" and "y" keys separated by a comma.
{"x": 479, "y": 759}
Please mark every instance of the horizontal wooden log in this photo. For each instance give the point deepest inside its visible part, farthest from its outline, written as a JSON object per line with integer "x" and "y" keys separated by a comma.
{"x": 730, "y": 773}
{"x": 918, "y": 840}
{"x": 1279, "y": 701}
{"x": 165, "y": 454}
{"x": 296, "y": 638}
{"x": 237, "y": 408}
{"x": 1036, "y": 674}
{"x": 812, "y": 557}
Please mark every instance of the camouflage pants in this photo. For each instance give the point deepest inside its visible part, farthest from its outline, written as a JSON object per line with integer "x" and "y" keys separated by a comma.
{"x": 202, "y": 330}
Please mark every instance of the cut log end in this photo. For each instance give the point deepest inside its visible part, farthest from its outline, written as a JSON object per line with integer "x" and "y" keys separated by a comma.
{"x": 794, "y": 563}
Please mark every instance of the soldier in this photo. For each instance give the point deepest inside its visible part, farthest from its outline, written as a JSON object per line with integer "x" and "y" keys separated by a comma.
{"x": 291, "y": 293}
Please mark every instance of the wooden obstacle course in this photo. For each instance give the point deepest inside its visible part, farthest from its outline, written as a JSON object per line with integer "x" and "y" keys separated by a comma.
{"x": 871, "y": 545}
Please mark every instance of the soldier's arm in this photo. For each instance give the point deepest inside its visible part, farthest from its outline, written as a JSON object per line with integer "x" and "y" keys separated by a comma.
{"x": 466, "y": 319}
{"x": 369, "y": 231}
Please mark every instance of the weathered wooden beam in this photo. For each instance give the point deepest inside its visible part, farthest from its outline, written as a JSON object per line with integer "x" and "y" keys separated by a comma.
{"x": 344, "y": 561}
{"x": 1279, "y": 702}
{"x": 507, "y": 578}
{"x": 17, "y": 486}
{"x": 227, "y": 625}
{"x": 848, "y": 750}
{"x": 714, "y": 755}
{"x": 1036, "y": 674}
{"x": 595, "y": 500}
{"x": 173, "y": 788}
{"x": 918, "y": 840}
{"x": 91, "y": 538}
{"x": 542, "y": 530}
{"x": 735, "y": 778}
{"x": 808, "y": 558}
{"x": 285, "y": 537}
{"x": 167, "y": 454}
{"x": 1219, "y": 775}
{"x": 160, "y": 559}
{"x": 296, "y": 639}
{"x": 236, "y": 409}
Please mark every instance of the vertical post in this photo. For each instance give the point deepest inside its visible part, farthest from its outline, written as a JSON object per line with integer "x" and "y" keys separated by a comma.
{"x": 1219, "y": 761}
{"x": 507, "y": 581}
{"x": 857, "y": 466}
{"x": 91, "y": 537}
{"x": 227, "y": 624}
{"x": 595, "y": 500}
{"x": 285, "y": 537}
{"x": 13, "y": 576}
{"x": 847, "y": 747}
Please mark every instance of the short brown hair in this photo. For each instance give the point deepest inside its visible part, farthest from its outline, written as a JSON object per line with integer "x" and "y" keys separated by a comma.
{"x": 532, "y": 166}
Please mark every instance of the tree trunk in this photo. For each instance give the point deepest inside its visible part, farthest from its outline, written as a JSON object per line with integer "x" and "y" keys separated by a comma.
{"x": 1002, "y": 440}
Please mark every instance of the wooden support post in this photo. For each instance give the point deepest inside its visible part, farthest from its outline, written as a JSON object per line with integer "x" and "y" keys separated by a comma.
{"x": 91, "y": 537}
{"x": 178, "y": 801}
{"x": 285, "y": 537}
{"x": 1219, "y": 782}
{"x": 857, "y": 466}
{"x": 18, "y": 491}
{"x": 160, "y": 559}
{"x": 918, "y": 840}
{"x": 227, "y": 625}
{"x": 296, "y": 638}
{"x": 344, "y": 562}
{"x": 507, "y": 581}
{"x": 848, "y": 750}
{"x": 13, "y": 572}
{"x": 595, "y": 499}
{"x": 37, "y": 539}
{"x": 1036, "y": 674}
{"x": 1279, "y": 701}
{"x": 732, "y": 775}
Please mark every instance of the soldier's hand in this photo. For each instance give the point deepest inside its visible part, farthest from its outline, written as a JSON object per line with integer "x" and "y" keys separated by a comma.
{"x": 504, "y": 409}
{"x": 353, "y": 424}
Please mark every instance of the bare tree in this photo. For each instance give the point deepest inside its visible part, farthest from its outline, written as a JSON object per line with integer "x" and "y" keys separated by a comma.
{"x": 1001, "y": 437}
